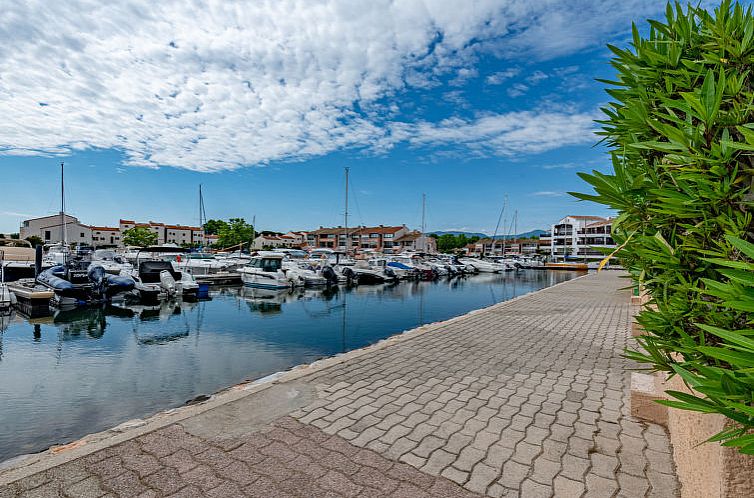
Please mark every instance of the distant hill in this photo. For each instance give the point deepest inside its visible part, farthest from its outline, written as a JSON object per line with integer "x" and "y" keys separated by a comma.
{"x": 525, "y": 235}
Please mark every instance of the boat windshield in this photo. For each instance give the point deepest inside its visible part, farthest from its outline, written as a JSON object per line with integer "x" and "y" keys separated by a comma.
{"x": 266, "y": 264}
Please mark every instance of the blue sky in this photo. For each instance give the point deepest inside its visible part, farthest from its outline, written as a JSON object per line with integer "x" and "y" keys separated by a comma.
{"x": 266, "y": 105}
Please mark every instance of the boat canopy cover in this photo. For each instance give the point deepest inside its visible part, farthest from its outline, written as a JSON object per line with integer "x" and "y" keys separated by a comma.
{"x": 395, "y": 264}
{"x": 149, "y": 271}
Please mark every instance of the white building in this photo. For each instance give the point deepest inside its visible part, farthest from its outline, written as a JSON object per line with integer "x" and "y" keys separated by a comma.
{"x": 180, "y": 234}
{"x": 581, "y": 237}
{"x": 105, "y": 236}
{"x": 275, "y": 241}
{"x": 52, "y": 229}
{"x": 156, "y": 228}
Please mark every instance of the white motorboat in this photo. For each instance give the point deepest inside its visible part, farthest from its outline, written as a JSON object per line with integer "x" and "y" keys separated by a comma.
{"x": 158, "y": 279}
{"x": 265, "y": 270}
{"x": 184, "y": 286}
{"x": 366, "y": 274}
{"x": 414, "y": 262}
{"x": 112, "y": 262}
{"x": 439, "y": 267}
{"x": 234, "y": 260}
{"x": 198, "y": 263}
{"x": 301, "y": 276}
{"x": 57, "y": 254}
{"x": 483, "y": 266}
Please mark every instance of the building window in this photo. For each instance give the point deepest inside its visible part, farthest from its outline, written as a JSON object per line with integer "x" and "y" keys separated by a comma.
{"x": 374, "y": 235}
{"x": 388, "y": 235}
{"x": 47, "y": 235}
{"x": 81, "y": 235}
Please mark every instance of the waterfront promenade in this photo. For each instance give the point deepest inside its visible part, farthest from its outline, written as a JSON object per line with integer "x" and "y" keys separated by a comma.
{"x": 525, "y": 398}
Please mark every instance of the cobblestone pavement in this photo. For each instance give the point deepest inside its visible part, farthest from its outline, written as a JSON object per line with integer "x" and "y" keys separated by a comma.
{"x": 527, "y": 398}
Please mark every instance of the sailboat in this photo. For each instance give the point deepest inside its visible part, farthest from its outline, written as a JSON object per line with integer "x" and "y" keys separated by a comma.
{"x": 75, "y": 282}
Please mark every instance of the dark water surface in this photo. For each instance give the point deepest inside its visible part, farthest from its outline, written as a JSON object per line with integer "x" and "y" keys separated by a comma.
{"x": 87, "y": 370}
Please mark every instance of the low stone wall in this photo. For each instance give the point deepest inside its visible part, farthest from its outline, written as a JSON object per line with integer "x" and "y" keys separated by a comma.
{"x": 705, "y": 470}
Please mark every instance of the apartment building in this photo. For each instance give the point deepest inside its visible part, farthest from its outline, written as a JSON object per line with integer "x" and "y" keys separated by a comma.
{"x": 513, "y": 247}
{"x": 414, "y": 241}
{"x": 53, "y": 229}
{"x": 156, "y": 228}
{"x": 274, "y": 241}
{"x": 377, "y": 238}
{"x": 105, "y": 236}
{"x": 581, "y": 237}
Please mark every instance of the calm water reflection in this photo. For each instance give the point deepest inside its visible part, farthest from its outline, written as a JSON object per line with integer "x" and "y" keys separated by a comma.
{"x": 88, "y": 370}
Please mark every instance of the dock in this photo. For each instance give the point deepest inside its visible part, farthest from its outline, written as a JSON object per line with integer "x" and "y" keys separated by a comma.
{"x": 219, "y": 278}
{"x": 528, "y": 398}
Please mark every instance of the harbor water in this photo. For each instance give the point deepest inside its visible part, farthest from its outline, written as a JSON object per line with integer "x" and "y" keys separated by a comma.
{"x": 87, "y": 370}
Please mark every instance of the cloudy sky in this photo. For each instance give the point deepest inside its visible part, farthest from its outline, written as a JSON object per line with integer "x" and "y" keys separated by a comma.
{"x": 265, "y": 102}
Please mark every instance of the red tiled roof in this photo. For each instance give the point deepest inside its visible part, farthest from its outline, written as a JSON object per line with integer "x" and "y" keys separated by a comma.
{"x": 602, "y": 223}
{"x": 381, "y": 229}
{"x": 585, "y": 217}
{"x": 105, "y": 229}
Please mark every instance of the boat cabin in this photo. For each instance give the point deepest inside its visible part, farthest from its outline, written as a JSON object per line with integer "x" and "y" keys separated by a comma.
{"x": 270, "y": 262}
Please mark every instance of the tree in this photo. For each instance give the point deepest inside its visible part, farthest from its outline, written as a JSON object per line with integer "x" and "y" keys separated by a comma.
{"x": 213, "y": 227}
{"x": 15, "y": 236}
{"x": 35, "y": 240}
{"x": 681, "y": 139}
{"x": 139, "y": 237}
{"x": 235, "y": 232}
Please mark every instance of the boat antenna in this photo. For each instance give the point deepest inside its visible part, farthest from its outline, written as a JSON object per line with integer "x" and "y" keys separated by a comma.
{"x": 345, "y": 215}
{"x": 494, "y": 235}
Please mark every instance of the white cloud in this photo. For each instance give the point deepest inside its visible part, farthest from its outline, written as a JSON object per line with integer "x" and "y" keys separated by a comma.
{"x": 501, "y": 76}
{"x": 517, "y": 89}
{"x": 16, "y": 214}
{"x": 547, "y": 193}
{"x": 503, "y": 134}
{"x": 222, "y": 85}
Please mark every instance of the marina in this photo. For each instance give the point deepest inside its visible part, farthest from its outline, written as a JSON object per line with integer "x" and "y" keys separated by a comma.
{"x": 87, "y": 369}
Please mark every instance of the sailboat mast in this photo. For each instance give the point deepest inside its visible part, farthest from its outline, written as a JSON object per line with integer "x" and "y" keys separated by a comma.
{"x": 494, "y": 234}
{"x": 424, "y": 226}
{"x": 62, "y": 205}
{"x": 201, "y": 215}
{"x": 504, "y": 220}
{"x": 253, "y": 227}
{"x": 345, "y": 215}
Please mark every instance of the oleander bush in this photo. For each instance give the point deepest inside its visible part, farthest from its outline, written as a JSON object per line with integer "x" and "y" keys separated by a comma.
{"x": 680, "y": 130}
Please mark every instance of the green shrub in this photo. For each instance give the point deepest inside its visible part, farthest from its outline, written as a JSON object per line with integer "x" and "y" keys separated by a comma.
{"x": 681, "y": 136}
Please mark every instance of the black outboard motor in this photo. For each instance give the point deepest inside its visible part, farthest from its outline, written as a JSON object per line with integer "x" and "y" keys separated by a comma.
{"x": 351, "y": 277}
{"x": 329, "y": 274}
{"x": 96, "y": 276}
{"x": 389, "y": 272}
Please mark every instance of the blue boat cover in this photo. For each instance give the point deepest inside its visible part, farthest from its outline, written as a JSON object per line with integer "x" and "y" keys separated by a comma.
{"x": 398, "y": 265}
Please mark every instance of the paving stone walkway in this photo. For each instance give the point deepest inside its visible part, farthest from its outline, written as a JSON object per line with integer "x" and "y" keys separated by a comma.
{"x": 527, "y": 398}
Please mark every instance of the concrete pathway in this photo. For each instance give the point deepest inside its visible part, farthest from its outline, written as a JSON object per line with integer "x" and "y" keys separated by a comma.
{"x": 526, "y": 398}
